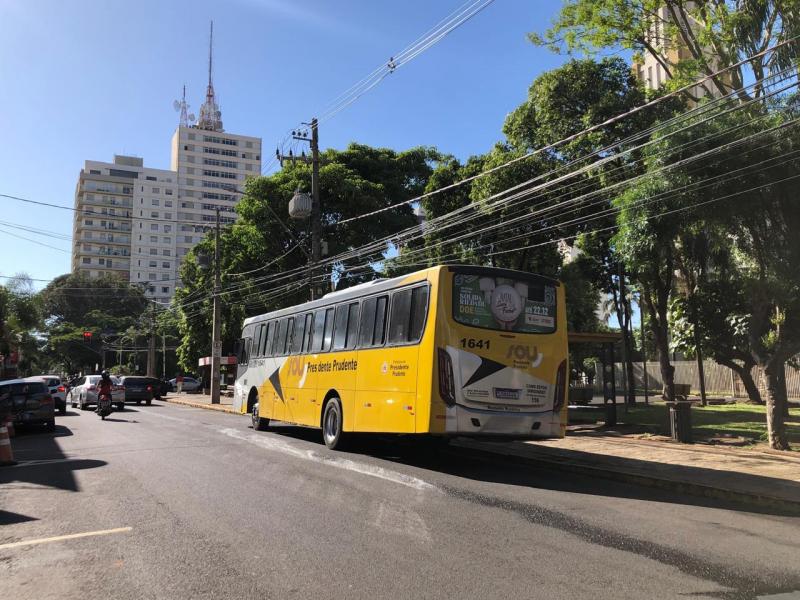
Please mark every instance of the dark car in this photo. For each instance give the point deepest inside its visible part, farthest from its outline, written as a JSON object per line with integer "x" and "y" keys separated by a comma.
{"x": 160, "y": 387}
{"x": 28, "y": 402}
{"x": 138, "y": 389}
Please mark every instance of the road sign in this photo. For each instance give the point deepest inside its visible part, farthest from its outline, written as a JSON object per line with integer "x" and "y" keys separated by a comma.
{"x": 217, "y": 350}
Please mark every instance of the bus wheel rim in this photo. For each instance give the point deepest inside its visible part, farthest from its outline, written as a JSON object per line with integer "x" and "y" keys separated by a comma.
{"x": 331, "y": 425}
{"x": 255, "y": 415}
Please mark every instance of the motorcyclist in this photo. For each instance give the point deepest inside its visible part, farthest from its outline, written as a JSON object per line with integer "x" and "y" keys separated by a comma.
{"x": 104, "y": 388}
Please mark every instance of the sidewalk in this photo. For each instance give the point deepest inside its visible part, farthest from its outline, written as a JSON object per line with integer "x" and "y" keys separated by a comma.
{"x": 200, "y": 400}
{"x": 766, "y": 479}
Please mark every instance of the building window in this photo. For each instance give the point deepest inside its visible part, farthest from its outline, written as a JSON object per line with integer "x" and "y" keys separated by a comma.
{"x": 153, "y": 239}
{"x": 153, "y": 251}
{"x": 154, "y": 202}
{"x": 166, "y": 252}
{"x": 165, "y": 277}
{"x": 165, "y": 290}
{"x": 94, "y": 172}
{"x": 249, "y": 144}
{"x": 87, "y": 260}
{"x": 88, "y": 222}
{"x": 167, "y": 240}
{"x": 168, "y": 192}
{"x": 167, "y": 228}
{"x": 165, "y": 264}
{"x": 168, "y": 203}
{"x": 152, "y": 264}
{"x": 167, "y": 215}
{"x": 151, "y": 276}
{"x": 153, "y": 214}
{"x": 187, "y": 239}
{"x": 150, "y": 178}
{"x": 191, "y": 136}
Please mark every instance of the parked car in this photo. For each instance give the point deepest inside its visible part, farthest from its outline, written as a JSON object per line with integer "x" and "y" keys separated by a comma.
{"x": 138, "y": 389}
{"x": 190, "y": 384}
{"x": 28, "y": 402}
{"x": 57, "y": 390}
{"x": 161, "y": 387}
{"x": 84, "y": 393}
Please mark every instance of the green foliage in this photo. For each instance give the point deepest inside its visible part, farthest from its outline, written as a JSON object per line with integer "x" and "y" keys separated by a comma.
{"x": 265, "y": 242}
{"x": 728, "y": 30}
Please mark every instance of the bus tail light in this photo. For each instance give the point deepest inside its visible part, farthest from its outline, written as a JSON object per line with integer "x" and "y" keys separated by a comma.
{"x": 447, "y": 384}
{"x": 561, "y": 386}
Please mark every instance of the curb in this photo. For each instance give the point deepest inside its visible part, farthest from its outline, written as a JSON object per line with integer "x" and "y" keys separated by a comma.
{"x": 218, "y": 407}
{"x": 479, "y": 450}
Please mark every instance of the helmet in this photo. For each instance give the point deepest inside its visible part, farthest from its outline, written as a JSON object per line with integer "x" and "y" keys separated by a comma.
{"x": 104, "y": 375}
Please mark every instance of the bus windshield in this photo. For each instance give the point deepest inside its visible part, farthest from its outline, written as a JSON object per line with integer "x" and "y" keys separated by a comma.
{"x": 519, "y": 305}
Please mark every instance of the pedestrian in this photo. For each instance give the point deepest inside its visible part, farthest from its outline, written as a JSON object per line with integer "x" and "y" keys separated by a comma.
{"x": 179, "y": 383}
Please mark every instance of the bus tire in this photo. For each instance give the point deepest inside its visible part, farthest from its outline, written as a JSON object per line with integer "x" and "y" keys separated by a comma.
{"x": 259, "y": 423}
{"x": 332, "y": 425}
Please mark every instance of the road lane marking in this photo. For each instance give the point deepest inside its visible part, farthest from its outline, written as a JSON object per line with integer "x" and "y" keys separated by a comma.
{"x": 59, "y": 538}
{"x": 270, "y": 443}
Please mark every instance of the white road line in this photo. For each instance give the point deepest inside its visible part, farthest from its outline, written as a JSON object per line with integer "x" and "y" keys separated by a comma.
{"x": 271, "y": 443}
{"x": 59, "y": 538}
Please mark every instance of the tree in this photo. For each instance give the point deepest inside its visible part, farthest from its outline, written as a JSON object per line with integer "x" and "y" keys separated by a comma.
{"x": 711, "y": 35}
{"x": 264, "y": 243}
{"x": 20, "y": 318}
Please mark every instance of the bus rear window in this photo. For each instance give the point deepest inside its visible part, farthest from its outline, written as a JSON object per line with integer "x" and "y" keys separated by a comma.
{"x": 519, "y": 305}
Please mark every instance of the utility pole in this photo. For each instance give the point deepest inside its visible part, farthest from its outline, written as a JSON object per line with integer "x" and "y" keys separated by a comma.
{"x": 151, "y": 347}
{"x": 316, "y": 208}
{"x": 216, "y": 346}
{"x": 163, "y": 356}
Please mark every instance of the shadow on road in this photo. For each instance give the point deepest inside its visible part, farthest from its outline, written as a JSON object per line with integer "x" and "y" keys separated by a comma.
{"x": 11, "y": 518}
{"x": 42, "y": 462}
{"x": 475, "y": 465}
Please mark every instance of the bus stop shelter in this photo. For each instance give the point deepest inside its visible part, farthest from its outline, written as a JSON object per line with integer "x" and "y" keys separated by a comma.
{"x": 227, "y": 374}
{"x": 606, "y": 341}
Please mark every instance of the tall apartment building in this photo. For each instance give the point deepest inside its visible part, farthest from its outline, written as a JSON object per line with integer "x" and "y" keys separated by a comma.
{"x": 125, "y": 224}
{"x": 138, "y": 223}
{"x": 212, "y": 167}
{"x": 652, "y": 73}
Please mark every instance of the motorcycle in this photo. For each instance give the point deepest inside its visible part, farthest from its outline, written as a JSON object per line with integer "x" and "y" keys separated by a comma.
{"x": 104, "y": 405}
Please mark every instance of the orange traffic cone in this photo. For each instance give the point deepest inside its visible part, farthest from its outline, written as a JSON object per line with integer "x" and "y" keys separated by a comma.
{"x": 6, "y": 456}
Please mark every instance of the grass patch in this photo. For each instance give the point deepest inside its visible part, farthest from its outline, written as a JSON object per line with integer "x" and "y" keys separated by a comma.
{"x": 744, "y": 420}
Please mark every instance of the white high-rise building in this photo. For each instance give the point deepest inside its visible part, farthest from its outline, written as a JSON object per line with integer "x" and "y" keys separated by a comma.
{"x": 125, "y": 224}
{"x": 138, "y": 223}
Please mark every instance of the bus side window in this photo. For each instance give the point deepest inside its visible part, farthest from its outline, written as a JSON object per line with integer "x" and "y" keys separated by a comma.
{"x": 367, "y": 322}
{"x": 257, "y": 341}
{"x": 299, "y": 335}
{"x": 309, "y": 332}
{"x": 400, "y": 317}
{"x": 352, "y": 325}
{"x": 419, "y": 310}
{"x": 326, "y": 343}
{"x": 246, "y": 353}
{"x": 340, "y": 327}
{"x": 319, "y": 330}
{"x": 238, "y": 350}
{"x": 280, "y": 339}
{"x": 270, "y": 338}
{"x": 379, "y": 337}
{"x": 289, "y": 336}
{"x": 266, "y": 339}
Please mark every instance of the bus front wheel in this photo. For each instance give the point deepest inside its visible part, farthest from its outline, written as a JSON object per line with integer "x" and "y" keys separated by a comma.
{"x": 259, "y": 423}
{"x": 332, "y": 423}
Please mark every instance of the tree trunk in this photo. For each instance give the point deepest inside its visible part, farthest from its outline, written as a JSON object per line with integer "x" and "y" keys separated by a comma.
{"x": 776, "y": 401}
{"x": 745, "y": 374}
{"x": 661, "y": 342}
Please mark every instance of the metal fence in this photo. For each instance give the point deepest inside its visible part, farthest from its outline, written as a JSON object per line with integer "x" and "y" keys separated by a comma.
{"x": 720, "y": 381}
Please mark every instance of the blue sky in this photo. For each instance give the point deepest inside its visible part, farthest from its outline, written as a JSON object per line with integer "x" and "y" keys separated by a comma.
{"x": 89, "y": 79}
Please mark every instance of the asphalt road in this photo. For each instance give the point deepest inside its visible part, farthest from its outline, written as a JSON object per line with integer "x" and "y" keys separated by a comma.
{"x": 195, "y": 504}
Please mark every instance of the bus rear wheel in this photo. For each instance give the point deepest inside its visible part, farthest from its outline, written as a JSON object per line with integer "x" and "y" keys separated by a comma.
{"x": 259, "y": 423}
{"x": 332, "y": 423}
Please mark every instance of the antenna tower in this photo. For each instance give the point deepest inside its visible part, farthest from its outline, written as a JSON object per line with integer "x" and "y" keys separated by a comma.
{"x": 183, "y": 107}
{"x": 210, "y": 114}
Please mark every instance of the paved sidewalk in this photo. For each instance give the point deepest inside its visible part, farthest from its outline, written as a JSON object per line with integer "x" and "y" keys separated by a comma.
{"x": 766, "y": 479}
{"x": 199, "y": 400}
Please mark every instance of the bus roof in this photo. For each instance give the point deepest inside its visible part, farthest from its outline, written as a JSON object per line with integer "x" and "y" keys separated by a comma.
{"x": 382, "y": 285}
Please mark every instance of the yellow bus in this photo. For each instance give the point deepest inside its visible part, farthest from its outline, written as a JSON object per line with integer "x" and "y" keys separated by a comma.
{"x": 447, "y": 351}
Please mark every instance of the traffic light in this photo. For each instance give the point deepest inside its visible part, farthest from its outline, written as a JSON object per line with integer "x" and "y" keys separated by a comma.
{"x": 87, "y": 337}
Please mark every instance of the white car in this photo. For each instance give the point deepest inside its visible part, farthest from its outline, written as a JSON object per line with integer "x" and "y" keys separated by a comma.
{"x": 84, "y": 393}
{"x": 57, "y": 391}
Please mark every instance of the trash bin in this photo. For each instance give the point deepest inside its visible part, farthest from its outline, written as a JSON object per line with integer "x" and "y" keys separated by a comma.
{"x": 680, "y": 421}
